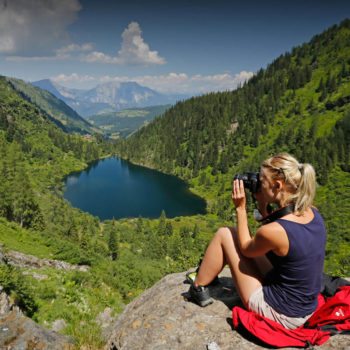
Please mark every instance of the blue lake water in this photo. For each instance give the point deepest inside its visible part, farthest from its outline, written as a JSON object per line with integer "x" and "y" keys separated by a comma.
{"x": 114, "y": 188}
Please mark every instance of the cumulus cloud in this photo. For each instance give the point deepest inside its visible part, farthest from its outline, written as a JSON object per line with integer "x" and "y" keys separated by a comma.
{"x": 100, "y": 57}
{"x": 167, "y": 83}
{"x": 133, "y": 50}
{"x": 35, "y": 27}
{"x": 31, "y": 30}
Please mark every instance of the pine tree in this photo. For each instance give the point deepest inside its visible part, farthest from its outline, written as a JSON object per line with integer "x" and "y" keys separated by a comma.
{"x": 195, "y": 231}
{"x": 113, "y": 244}
{"x": 169, "y": 229}
{"x": 139, "y": 225}
{"x": 321, "y": 86}
{"x": 24, "y": 206}
{"x": 323, "y": 95}
{"x": 344, "y": 72}
{"x": 162, "y": 224}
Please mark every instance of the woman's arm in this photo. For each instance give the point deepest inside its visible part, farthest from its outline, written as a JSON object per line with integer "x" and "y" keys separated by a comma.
{"x": 266, "y": 238}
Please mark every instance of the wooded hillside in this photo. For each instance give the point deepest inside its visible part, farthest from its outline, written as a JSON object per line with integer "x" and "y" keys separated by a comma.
{"x": 300, "y": 104}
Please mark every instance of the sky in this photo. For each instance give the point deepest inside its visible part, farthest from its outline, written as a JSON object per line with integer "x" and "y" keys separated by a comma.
{"x": 182, "y": 46}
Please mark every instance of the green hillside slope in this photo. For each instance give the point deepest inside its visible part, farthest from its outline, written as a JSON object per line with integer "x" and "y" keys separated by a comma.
{"x": 35, "y": 155}
{"x": 294, "y": 103}
{"x": 124, "y": 257}
{"x": 60, "y": 113}
{"x": 300, "y": 103}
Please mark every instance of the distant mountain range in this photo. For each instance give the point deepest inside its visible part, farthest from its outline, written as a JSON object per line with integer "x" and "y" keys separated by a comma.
{"x": 108, "y": 97}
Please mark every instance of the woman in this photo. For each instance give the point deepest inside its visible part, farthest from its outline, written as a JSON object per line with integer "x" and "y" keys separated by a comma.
{"x": 277, "y": 272}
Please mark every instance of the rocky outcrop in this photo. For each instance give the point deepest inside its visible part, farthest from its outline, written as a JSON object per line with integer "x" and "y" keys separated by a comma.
{"x": 105, "y": 321}
{"x": 18, "y": 332}
{"x": 162, "y": 318}
{"x": 29, "y": 261}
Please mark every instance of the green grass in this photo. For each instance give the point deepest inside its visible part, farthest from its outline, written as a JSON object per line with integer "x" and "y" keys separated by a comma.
{"x": 24, "y": 241}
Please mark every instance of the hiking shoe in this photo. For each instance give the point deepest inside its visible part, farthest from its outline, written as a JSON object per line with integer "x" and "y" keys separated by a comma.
{"x": 200, "y": 295}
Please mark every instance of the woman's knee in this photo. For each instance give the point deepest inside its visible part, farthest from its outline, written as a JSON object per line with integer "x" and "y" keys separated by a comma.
{"x": 225, "y": 231}
{"x": 225, "y": 234}
{"x": 227, "y": 238}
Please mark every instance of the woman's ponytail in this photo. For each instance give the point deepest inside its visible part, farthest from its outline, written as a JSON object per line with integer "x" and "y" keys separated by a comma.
{"x": 306, "y": 189}
{"x": 300, "y": 179}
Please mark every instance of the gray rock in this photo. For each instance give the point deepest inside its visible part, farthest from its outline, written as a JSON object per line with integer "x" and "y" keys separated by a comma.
{"x": 106, "y": 321}
{"x": 5, "y": 304}
{"x": 24, "y": 260}
{"x": 18, "y": 332}
{"x": 162, "y": 318}
{"x": 58, "y": 325}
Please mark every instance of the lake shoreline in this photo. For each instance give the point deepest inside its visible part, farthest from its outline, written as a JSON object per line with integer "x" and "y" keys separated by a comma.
{"x": 126, "y": 183}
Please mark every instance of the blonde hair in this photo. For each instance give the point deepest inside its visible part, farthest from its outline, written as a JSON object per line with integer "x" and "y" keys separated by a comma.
{"x": 300, "y": 179}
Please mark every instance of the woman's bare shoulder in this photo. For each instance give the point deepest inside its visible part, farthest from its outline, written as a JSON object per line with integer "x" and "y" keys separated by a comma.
{"x": 270, "y": 230}
{"x": 277, "y": 236}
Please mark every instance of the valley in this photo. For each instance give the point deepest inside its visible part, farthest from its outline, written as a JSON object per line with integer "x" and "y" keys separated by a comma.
{"x": 299, "y": 103}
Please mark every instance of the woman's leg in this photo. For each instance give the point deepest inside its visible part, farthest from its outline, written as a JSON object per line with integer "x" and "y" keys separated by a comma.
{"x": 222, "y": 250}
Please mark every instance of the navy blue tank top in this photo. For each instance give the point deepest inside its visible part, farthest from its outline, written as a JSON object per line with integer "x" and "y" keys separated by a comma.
{"x": 293, "y": 284}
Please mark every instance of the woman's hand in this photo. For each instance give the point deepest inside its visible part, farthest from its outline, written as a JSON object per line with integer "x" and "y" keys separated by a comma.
{"x": 238, "y": 194}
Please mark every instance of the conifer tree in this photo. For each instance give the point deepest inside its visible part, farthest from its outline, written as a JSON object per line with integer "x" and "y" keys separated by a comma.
{"x": 113, "y": 242}
{"x": 139, "y": 225}
{"x": 321, "y": 86}
{"x": 169, "y": 229}
{"x": 162, "y": 224}
{"x": 195, "y": 231}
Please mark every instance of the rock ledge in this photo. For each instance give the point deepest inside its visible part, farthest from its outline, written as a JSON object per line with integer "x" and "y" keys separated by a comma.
{"x": 162, "y": 318}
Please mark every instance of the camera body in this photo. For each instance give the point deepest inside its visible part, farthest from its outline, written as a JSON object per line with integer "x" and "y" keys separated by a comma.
{"x": 251, "y": 181}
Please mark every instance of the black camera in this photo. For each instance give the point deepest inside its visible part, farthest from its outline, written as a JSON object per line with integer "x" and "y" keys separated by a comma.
{"x": 251, "y": 181}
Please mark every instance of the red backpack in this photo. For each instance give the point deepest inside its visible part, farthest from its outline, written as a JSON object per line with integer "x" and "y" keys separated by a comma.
{"x": 332, "y": 316}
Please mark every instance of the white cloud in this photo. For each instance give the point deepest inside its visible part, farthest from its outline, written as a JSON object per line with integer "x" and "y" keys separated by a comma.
{"x": 167, "y": 83}
{"x": 99, "y": 57}
{"x": 31, "y": 30}
{"x": 73, "y": 48}
{"x": 35, "y": 26}
{"x": 71, "y": 51}
{"x": 73, "y": 79}
{"x": 134, "y": 50}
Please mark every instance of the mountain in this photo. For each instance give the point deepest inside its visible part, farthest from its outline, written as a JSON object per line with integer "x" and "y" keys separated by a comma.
{"x": 108, "y": 97}
{"x": 126, "y": 256}
{"x": 300, "y": 104}
{"x": 127, "y": 121}
{"x": 36, "y": 221}
{"x": 47, "y": 84}
{"x": 55, "y": 108}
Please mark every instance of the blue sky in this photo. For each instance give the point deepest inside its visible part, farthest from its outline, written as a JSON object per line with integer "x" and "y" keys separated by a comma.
{"x": 178, "y": 46}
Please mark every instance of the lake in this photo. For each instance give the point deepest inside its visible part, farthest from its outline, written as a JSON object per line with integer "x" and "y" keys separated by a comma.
{"x": 114, "y": 188}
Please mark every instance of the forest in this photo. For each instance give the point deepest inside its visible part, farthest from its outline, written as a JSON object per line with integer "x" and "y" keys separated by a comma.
{"x": 299, "y": 103}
